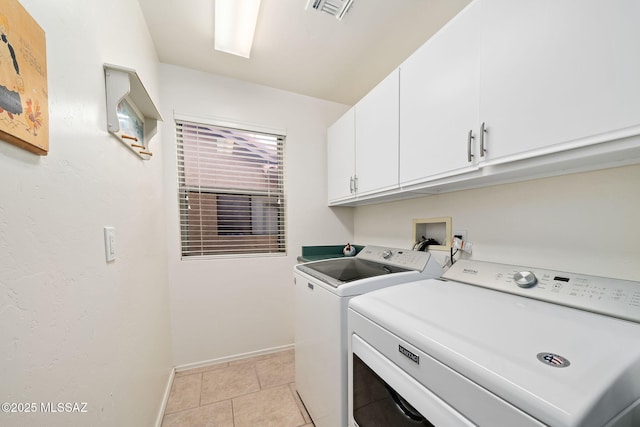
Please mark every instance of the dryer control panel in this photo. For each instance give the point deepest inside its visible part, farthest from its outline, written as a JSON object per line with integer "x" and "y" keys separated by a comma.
{"x": 611, "y": 297}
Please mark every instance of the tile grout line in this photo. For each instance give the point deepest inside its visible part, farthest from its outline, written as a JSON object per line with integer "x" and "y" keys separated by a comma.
{"x": 255, "y": 371}
{"x": 304, "y": 420}
{"x": 233, "y": 413}
{"x": 201, "y": 385}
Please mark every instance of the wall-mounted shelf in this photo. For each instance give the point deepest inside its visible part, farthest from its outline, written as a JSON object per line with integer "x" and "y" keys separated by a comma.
{"x": 132, "y": 116}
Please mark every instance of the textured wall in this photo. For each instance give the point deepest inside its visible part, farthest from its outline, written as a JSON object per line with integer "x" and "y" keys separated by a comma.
{"x": 225, "y": 307}
{"x": 72, "y": 327}
{"x": 586, "y": 222}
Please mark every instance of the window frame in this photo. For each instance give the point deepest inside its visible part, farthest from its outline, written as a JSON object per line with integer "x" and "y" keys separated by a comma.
{"x": 183, "y": 189}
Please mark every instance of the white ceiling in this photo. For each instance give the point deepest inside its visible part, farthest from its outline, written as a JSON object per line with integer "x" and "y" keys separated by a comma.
{"x": 302, "y": 51}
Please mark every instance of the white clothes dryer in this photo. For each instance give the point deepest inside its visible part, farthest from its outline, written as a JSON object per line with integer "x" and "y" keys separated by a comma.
{"x": 497, "y": 345}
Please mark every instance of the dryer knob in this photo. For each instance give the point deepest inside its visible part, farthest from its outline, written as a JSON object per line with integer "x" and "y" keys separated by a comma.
{"x": 525, "y": 279}
{"x": 386, "y": 254}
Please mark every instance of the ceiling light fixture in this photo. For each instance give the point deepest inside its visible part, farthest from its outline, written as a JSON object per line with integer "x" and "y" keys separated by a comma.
{"x": 235, "y": 25}
{"x": 337, "y": 8}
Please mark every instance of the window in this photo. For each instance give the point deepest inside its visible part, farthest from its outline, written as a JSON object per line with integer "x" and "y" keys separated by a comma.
{"x": 231, "y": 190}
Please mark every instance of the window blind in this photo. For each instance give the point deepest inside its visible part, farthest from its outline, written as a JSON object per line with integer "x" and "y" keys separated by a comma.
{"x": 231, "y": 190}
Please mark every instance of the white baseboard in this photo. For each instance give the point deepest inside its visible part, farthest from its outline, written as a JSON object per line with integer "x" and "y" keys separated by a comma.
{"x": 165, "y": 398}
{"x": 233, "y": 358}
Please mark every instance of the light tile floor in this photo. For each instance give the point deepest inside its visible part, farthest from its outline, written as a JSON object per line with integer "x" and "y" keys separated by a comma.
{"x": 254, "y": 392}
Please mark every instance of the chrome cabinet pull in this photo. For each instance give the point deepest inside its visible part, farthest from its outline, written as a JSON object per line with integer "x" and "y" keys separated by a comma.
{"x": 483, "y": 130}
{"x": 355, "y": 184}
{"x": 351, "y": 185}
{"x": 469, "y": 140}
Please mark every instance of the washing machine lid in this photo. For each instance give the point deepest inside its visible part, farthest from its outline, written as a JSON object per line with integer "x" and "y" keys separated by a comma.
{"x": 372, "y": 262}
{"x": 338, "y": 271}
{"x": 563, "y": 366}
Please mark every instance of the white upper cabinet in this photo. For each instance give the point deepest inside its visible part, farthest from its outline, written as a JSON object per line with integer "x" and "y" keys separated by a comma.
{"x": 439, "y": 93}
{"x": 377, "y": 127}
{"x": 556, "y": 72}
{"x": 341, "y": 158}
{"x": 506, "y": 91}
{"x": 362, "y": 146}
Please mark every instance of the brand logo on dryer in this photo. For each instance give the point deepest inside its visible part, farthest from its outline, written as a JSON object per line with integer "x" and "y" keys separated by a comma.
{"x": 413, "y": 357}
{"x": 554, "y": 360}
{"x": 469, "y": 271}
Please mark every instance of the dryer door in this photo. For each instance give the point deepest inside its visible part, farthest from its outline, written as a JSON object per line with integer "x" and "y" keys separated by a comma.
{"x": 376, "y": 403}
{"x": 384, "y": 395}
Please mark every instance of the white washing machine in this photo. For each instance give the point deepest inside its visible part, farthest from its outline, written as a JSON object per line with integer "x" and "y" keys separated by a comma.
{"x": 322, "y": 292}
{"x": 497, "y": 345}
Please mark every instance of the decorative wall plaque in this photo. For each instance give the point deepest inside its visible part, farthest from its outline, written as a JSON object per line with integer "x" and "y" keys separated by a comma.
{"x": 24, "y": 111}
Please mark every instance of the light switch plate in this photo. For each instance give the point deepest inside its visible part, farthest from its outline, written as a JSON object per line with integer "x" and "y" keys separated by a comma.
{"x": 110, "y": 243}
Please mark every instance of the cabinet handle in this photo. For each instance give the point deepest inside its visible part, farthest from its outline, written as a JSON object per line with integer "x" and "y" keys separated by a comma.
{"x": 483, "y": 130}
{"x": 351, "y": 185}
{"x": 355, "y": 184}
{"x": 469, "y": 140}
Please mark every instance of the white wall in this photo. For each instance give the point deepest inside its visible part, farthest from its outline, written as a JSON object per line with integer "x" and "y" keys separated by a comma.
{"x": 585, "y": 222}
{"x": 226, "y": 307}
{"x": 74, "y": 328}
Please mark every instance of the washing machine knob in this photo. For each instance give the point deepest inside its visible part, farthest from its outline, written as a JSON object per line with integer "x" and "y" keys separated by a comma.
{"x": 386, "y": 254}
{"x": 525, "y": 279}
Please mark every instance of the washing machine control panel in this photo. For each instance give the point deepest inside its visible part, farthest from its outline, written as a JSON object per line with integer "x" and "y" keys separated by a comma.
{"x": 403, "y": 258}
{"x": 612, "y": 297}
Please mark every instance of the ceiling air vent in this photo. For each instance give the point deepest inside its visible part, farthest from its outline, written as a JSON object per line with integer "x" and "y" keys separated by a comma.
{"x": 337, "y": 8}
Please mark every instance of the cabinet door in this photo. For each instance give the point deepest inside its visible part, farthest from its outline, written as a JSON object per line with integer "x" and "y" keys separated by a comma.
{"x": 439, "y": 101}
{"x": 554, "y": 72}
{"x": 377, "y": 137}
{"x": 341, "y": 158}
